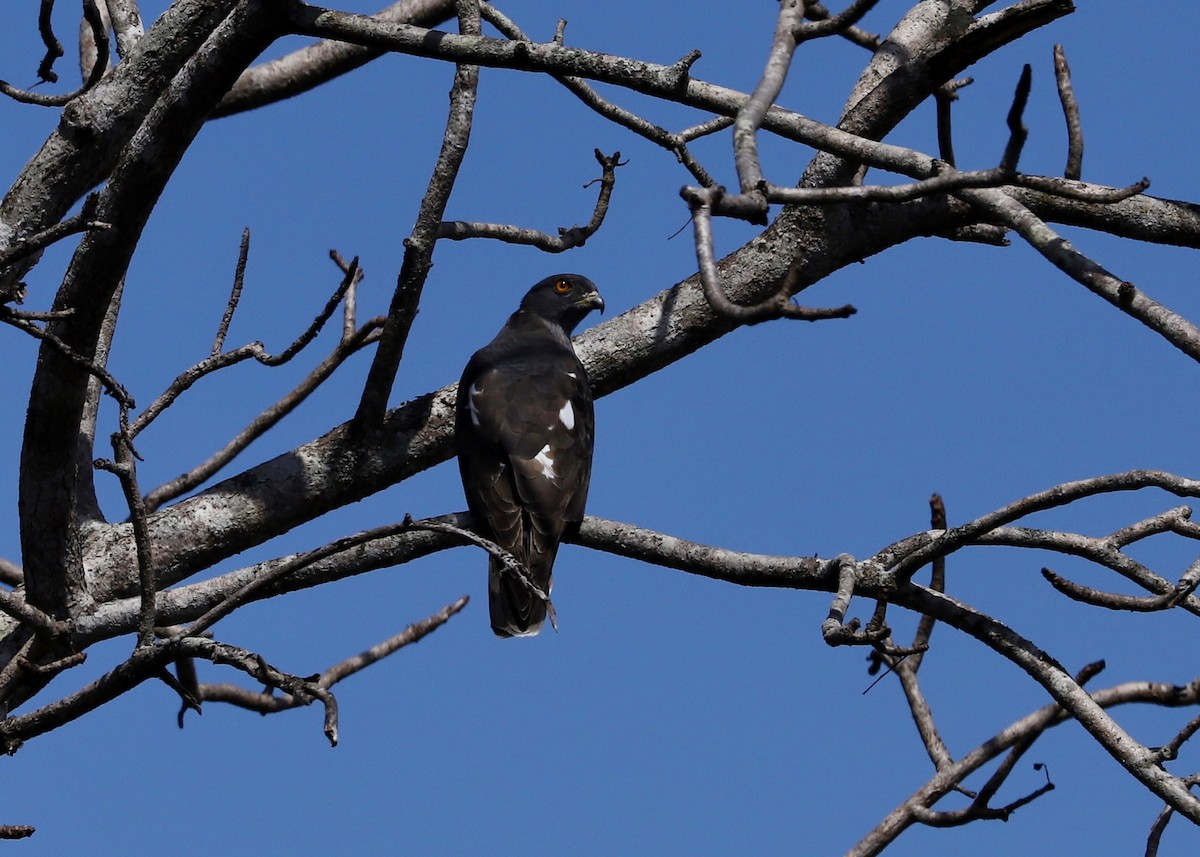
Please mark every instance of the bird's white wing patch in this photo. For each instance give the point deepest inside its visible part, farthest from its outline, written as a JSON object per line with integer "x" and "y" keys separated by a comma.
{"x": 567, "y": 415}
{"x": 543, "y": 458}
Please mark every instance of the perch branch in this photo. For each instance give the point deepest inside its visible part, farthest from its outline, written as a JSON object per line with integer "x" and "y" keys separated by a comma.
{"x": 512, "y": 565}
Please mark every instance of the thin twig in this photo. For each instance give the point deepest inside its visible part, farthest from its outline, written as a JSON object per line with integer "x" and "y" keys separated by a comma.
{"x": 303, "y": 690}
{"x": 944, "y": 97}
{"x": 779, "y": 305}
{"x": 1170, "y": 750}
{"x": 110, "y": 384}
{"x": 350, "y": 301}
{"x": 22, "y": 248}
{"x": 817, "y": 12}
{"x": 54, "y": 50}
{"x": 1069, "y": 189}
{"x": 1154, "y": 839}
{"x": 907, "y": 561}
{"x": 124, "y": 467}
{"x": 999, "y": 776}
{"x": 766, "y": 91}
{"x": 266, "y": 702}
{"x": 831, "y": 25}
{"x": 253, "y": 350}
{"x": 1134, "y": 603}
{"x": 1066, "y": 95}
{"x": 1035, "y": 723}
{"x": 412, "y": 634}
{"x": 317, "y": 324}
{"x": 1101, "y": 551}
{"x": 937, "y": 580}
{"x": 750, "y": 204}
{"x": 1164, "y": 522}
{"x": 907, "y": 666}
{"x": 1017, "y": 132}
{"x": 512, "y": 565}
{"x": 267, "y": 419}
{"x": 676, "y": 143}
{"x": 141, "y": 665}
{"x": 790, "y": 30}
{"x": 281, "y": 570}
{"x": 567, "y": 239}
{"x": 235, "y": 293}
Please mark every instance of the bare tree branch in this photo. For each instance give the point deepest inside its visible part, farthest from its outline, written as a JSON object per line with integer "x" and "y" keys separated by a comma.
{"x": 53, "y": 572}
{"x": 54, "y": 50}
{"x": 1066, "y": 94}
{"x": 313, "y": 65}
{"x": 1173, "y": 327}
{"x": 675, "y": 143}
{"x": 266, "y": 702}
{"x": 24, "y": 247}
{"x": 418, "y": 247}
{"x": 235, "y": 294}
{"x": 10, "y": 573}
{"x": 128, "y": 127}
{"x": 127, "y": 25}
{"x": 567, "y": 238}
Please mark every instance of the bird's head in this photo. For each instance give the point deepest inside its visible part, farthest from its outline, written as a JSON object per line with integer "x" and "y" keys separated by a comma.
{"x": 563, "y": 298}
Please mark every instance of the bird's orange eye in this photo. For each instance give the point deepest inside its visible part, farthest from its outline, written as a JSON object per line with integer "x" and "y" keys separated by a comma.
{"x": 561, "y": 287}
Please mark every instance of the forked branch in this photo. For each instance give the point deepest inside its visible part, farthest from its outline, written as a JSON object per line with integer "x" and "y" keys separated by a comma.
{"x": 567, "y": 238}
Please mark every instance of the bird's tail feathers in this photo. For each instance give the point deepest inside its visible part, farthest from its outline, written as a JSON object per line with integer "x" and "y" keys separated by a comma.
{"x": 518, "y": 604}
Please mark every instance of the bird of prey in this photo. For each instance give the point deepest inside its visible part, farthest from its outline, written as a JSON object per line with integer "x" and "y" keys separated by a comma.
{"x": 524, "y": 428}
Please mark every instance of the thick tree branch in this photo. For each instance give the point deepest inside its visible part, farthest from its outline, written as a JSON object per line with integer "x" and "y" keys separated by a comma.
{"x": 342, "y": 466}
{"x": 97, "y": 125}
{"x": 54, "y": 574}
{"x": 311, "y": 66}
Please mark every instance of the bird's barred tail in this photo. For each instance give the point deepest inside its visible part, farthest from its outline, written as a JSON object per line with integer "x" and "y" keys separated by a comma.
{"x": 516, "y": 610}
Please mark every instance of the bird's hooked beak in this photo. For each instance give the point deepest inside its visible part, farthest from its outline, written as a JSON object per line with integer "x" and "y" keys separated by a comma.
{"x": 591, "y": 300}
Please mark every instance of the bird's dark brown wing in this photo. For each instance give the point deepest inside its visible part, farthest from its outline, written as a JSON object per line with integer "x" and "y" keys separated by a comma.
{"x": 524, "y": 433}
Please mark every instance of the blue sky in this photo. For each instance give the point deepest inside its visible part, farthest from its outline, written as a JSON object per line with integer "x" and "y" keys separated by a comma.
{"x": 669, "y": 714}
